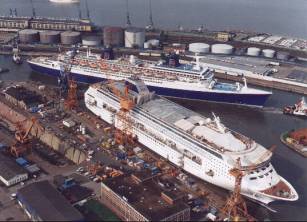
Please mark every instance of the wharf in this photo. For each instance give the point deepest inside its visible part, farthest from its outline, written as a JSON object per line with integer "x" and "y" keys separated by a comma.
{"x": 59, "y": 139}
{"x": 296, "y": 147}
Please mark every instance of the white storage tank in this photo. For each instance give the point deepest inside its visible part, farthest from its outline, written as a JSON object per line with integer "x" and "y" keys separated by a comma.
{"x": 199, "y": 47}
{"x": 268, "y": 53}
{"x": 253, "y": 51}
{"x": 91, "y": 41}
{"x": 134, "y": 37}
{"x": 222, "y": 49}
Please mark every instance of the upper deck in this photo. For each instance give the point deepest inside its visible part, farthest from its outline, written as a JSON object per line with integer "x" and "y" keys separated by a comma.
{"x": 210, "y": 134}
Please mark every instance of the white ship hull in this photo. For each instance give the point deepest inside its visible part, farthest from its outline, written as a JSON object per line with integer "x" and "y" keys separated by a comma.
{"x": 164, "y": 87}
{"x": 151, "y": 131}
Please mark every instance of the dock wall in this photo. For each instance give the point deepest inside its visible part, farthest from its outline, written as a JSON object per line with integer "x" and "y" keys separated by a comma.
{"x": 49, "y": 138}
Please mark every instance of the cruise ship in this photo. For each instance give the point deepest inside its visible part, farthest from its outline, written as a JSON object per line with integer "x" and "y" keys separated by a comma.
{"x": 166, "y": 78}
{"x": 199, "y": 145}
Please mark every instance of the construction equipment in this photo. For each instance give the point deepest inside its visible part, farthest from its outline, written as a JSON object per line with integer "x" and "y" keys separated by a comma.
{"x": 22, "y": 144}
{"x": 235, "y": 206}
{"x": 123, "y": 135}
{"x": 67, "y": 82}
{"x": 95, "y": 168}
{"x": 71, "y": 101}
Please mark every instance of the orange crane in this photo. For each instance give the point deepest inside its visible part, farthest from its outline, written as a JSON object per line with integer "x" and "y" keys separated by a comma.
{"x": 95, "y": 168}
{"x": 22, "y": 139}
{"x": 71, "y": 101}
{"x": 235, "y": 205}
{"x": 124, "y": 134}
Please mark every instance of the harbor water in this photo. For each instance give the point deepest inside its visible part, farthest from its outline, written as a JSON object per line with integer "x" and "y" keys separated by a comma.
{"x": 281, "y": 17}
{"x": 264, "y": 125}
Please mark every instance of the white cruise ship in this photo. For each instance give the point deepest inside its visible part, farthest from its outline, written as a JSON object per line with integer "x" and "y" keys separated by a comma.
{"x": 201, "y": 146}
{"x": 167, "y": 78}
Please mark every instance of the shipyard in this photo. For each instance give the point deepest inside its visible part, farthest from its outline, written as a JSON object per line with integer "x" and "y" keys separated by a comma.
{"x": 143, "y": 123}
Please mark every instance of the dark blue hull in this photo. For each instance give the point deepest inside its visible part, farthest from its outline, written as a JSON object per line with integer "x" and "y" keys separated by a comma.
{"x": 243, "y": 99}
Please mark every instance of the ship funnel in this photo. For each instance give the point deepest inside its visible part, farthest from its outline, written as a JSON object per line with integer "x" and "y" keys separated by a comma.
{"x": 218, "y": 123}
{"x": 245, "y": 82}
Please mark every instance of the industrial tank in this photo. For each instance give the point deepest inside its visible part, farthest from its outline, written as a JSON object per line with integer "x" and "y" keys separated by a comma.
{"x": 253, "y": 51}
{"x": 28, "y": 36}
{"x": 222, "y": 49}
{"x": 49, "y": 37}
{"x": 199, "y": 47}
{"x": 134, "y": 37}
{"x": 91, "y": 41}
{"x": 113, "y": 36}
{"x": 70, "y": 37}
{"x": 283, "y": 55}
{"x": 268, "y": 53}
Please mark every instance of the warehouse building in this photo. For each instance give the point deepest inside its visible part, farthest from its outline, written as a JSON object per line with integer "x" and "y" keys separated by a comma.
{"x": 40, "y": 23}
{"x": 10, "y": 172}
{"x": 135, "y": 198}
{"x": 42, "y": 202}
{"x": 14, "y": 22}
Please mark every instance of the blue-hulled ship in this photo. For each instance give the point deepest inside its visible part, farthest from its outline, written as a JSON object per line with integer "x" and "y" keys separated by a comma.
{"x": 167, "y": 77}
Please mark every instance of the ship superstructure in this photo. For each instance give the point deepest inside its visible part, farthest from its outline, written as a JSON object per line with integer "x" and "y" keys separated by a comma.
{"x": 166, "y": 78}
{"x": 200, "y": 145}
{"x": 298, "y": 109}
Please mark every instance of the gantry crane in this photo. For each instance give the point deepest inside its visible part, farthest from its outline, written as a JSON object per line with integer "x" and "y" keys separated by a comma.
{"x": 67, "y": 83}
{"x": 95, "y": 168}
{"x": 235, "y": 206}
{"x": 22, "y": 139}
{"x": 123, "y": 134}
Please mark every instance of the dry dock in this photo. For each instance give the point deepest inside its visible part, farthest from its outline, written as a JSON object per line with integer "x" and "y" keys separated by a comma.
{"x": 199, "y": 198}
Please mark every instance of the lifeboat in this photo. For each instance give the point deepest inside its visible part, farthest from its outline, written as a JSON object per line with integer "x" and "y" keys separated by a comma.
{"x": 93, "y": 65}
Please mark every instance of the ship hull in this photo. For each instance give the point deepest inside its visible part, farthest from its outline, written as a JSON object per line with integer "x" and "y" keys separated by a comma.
{"x": 247, "y": 99}
{"x": 175, "y": 157}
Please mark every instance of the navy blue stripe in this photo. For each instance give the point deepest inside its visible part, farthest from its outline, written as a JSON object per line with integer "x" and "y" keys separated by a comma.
{"x": 244, "y": 99}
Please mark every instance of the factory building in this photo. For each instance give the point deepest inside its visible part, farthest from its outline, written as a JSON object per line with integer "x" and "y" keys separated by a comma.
{"x": 60, "y": 24}
{"x": 224, "y": 36}
{"x": 42, "y": 202}
{"x": 138, "y": 198}
{"x": 10, "y": 172}
{"x": 39, "y": 23}
{"x": 14, "y": 22}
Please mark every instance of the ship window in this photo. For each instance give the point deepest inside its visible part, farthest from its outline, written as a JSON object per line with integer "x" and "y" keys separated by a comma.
{"x": 271, "y": 171}
{"x": 261, "y": 176}
{"x": 253, "y": 178}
